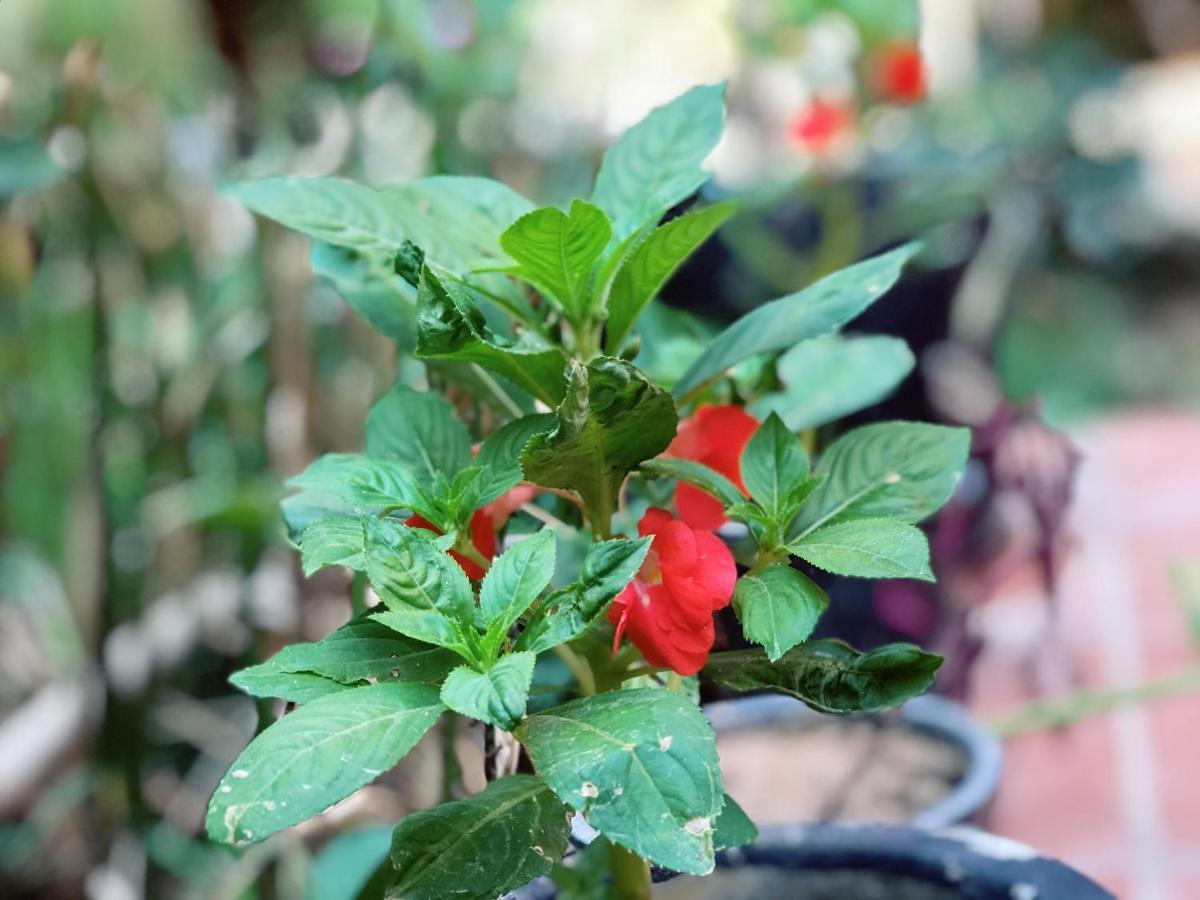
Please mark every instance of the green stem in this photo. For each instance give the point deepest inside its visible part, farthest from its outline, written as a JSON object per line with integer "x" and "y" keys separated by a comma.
{"x": 1058, "y": 712}
{"x": 639, "y": 671}
{"x": 467, "y": 549}
{"x": 358, "y": 595}
{"x": 631, "y": 874}
{"x": 579, "y": 668}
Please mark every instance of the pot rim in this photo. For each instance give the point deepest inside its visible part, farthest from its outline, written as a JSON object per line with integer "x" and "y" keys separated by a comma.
{"x": 938, "y": 716}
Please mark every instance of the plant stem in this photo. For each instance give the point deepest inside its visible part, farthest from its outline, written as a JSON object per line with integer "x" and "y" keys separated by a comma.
{"x": 489, "y": 753}
{"x": 639, "y": 671}
{"x": 467, "y": 549}
{"x": 358, "y": 594}
{"x": 579, "y": 668}
{"x": 631, "y": 874}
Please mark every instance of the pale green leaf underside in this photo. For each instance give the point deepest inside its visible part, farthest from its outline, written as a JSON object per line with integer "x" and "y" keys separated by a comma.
{"x": 830, "y": 377}
{"x": 359, "y": 650}
{"x": 455, "y": 220}
{"x": 868, "y": 548}
{"x": 317, "y": 755}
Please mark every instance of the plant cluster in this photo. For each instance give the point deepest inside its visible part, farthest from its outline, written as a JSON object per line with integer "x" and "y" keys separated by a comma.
{"x": 530, "y": 317}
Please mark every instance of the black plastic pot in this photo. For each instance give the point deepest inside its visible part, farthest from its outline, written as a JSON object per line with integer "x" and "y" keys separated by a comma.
{"x": 888, "y": 862}
{"x": 936, "y": 716}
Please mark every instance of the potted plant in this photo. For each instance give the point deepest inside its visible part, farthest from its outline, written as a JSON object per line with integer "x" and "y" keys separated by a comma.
{"x": 519, "y": 310}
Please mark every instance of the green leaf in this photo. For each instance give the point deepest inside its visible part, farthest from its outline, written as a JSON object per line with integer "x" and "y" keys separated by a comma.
{"x": 733, "y": 828}
{"x": 497, "y": 696}
{"x": 427, "y": 595}
{"x": 500, "y": 454}
{"x": 335, "y": 541}
{"x": 830, "y": 676}
{"x": 652, "y": 262}
{"x": 514, "y": 582}
{"x": 557, "y": 252}
{"x": 294, "y": 687}
{"x": 868, "y": 548}
{"x": 456, "y": 221}
{"x": 656, "y": 163}
{"x": 419, "y": 431}
{"x": 773, "y": 466}
{"x": 778, "y": 608}
{"x": 641, "y": 765}
{"x": 607, "y": 567}
{"x": 829, "y": 377}
{"x": 892, "y": 470}
{"x": 612, "y": 418}
{"x": 382, "y": 301}
{"x": 347, "y": 863}
{"x": 349, "y": 483}
{"x": 359, "y": 650}
{"x": 817, "y": 310}
{"x": 482, "y": 847}
{"x": 694, "y": 473}
{"x": 25, "y": 167}
{"x": 317, "y": 755}
{"x": 451, "y": 326}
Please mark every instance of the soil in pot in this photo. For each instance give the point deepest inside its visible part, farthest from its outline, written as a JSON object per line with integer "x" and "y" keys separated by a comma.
{"x": 838, "y": 770}
{"x": 767, "y": 883}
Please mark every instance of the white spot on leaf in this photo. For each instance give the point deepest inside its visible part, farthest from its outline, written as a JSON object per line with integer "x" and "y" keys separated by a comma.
{"x": 696, "y": 826}
{"x": 240, "y": 773}
{"x": 664, "y": 743}
{"x": 589, "y": 790}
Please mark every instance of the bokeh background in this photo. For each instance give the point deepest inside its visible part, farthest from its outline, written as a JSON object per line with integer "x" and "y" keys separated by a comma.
{"x": 166, "y": 361}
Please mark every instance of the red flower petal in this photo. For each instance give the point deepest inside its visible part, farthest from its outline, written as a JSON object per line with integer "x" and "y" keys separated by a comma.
{"x": 899, "y": 73}
{"x": 716, "y": 437}
{"x": 666, "y": 611}
{"x": 821, "y": 124}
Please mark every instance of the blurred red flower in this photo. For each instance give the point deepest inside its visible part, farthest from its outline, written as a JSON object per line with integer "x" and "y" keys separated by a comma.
{"x": 667, "y": 610}
{"x": 820, "y": 125}
{"x": 716, "y": 437}
{"x": 899, "y": 73}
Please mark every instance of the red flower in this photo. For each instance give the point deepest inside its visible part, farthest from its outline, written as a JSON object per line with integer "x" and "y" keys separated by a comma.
{"x": 667, "y": 610}
{"x": 899, "y": 73}
{"x": 820, "y": 125}
{"x": 483, "y": 536}
{"x": 715, "y": 436}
